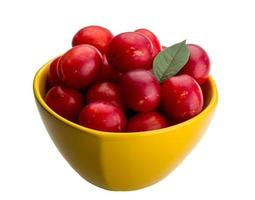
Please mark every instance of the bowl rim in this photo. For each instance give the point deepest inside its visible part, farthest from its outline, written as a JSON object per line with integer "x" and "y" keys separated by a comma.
{"x": 208, "y": 109}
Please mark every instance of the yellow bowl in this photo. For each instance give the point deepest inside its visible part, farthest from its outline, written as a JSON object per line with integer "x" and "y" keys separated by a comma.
{"x": 123, "y": 161}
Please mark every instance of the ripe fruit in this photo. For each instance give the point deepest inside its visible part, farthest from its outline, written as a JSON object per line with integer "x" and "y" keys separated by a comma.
{"x": 128, "y": 51}
{"x": 107, "y": 73}
{"x": 52, "y": 76}
{"x": 140, "y": 90}
{"x": 156, "y": 46}
{"x": 146, "y": 121}
{"x": 103, "y": 116}
{"x": 64, "y": 101}
{"x": 198, "y": 65}
{"x": 107, "y": 92}
{"x": 79, "y": 66}
{"x": 97, "y": 36}
{"x": 182, "y": 97}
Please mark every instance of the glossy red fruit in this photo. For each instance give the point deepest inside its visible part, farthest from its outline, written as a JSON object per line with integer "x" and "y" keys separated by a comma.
{"x": 52, "y": 76}
{"x": 198, "y": 65}
{"x": 146, "y": 121}
{"x": 128, "y": 51}
{"x": 107, "y": 92}
{"x": 156, "y": 46}
{"x": 103, "y": 116}
{"x": 97, "y": 36}
{"x": 64, "y": 101}
{"x": 108, "y": 73}
{"x": 79, "y": 66}
{"x": 140, "y": 90}
{"x": 181, "y": 97}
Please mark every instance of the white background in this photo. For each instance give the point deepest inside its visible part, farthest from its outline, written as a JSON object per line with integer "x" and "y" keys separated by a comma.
{"x": 31, "y": 32}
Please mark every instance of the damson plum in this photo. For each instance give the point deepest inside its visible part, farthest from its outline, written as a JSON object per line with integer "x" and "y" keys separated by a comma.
{"x": 181, "y": 97}
{"x": 146, "y": 121}
{"x": 156, "y": 46}
{"x": 107, "y": 73}
{"x": 64, "y": 101}
{"x": 80, "y": 66}
{"x": 128, "y": 51}
{"x": 107, "y": 92}
{"x": 52, "y": 76}
{"x": 103, "y": 116}
{"x": 97, "y": 36}
{"x": 198, "y": 65}
{"x": 140, "y": 90}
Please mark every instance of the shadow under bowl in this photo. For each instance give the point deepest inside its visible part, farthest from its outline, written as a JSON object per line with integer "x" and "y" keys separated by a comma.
{"x": 123, "y": 161}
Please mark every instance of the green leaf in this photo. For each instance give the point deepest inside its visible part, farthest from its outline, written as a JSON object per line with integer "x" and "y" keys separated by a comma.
{"x": 170, "y": 61}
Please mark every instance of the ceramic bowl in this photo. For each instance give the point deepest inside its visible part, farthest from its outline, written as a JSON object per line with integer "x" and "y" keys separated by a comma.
{"x": 123, "y": 161}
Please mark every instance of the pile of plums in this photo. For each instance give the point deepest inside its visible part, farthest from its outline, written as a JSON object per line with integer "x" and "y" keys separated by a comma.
{"x": 105, "y": 82}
